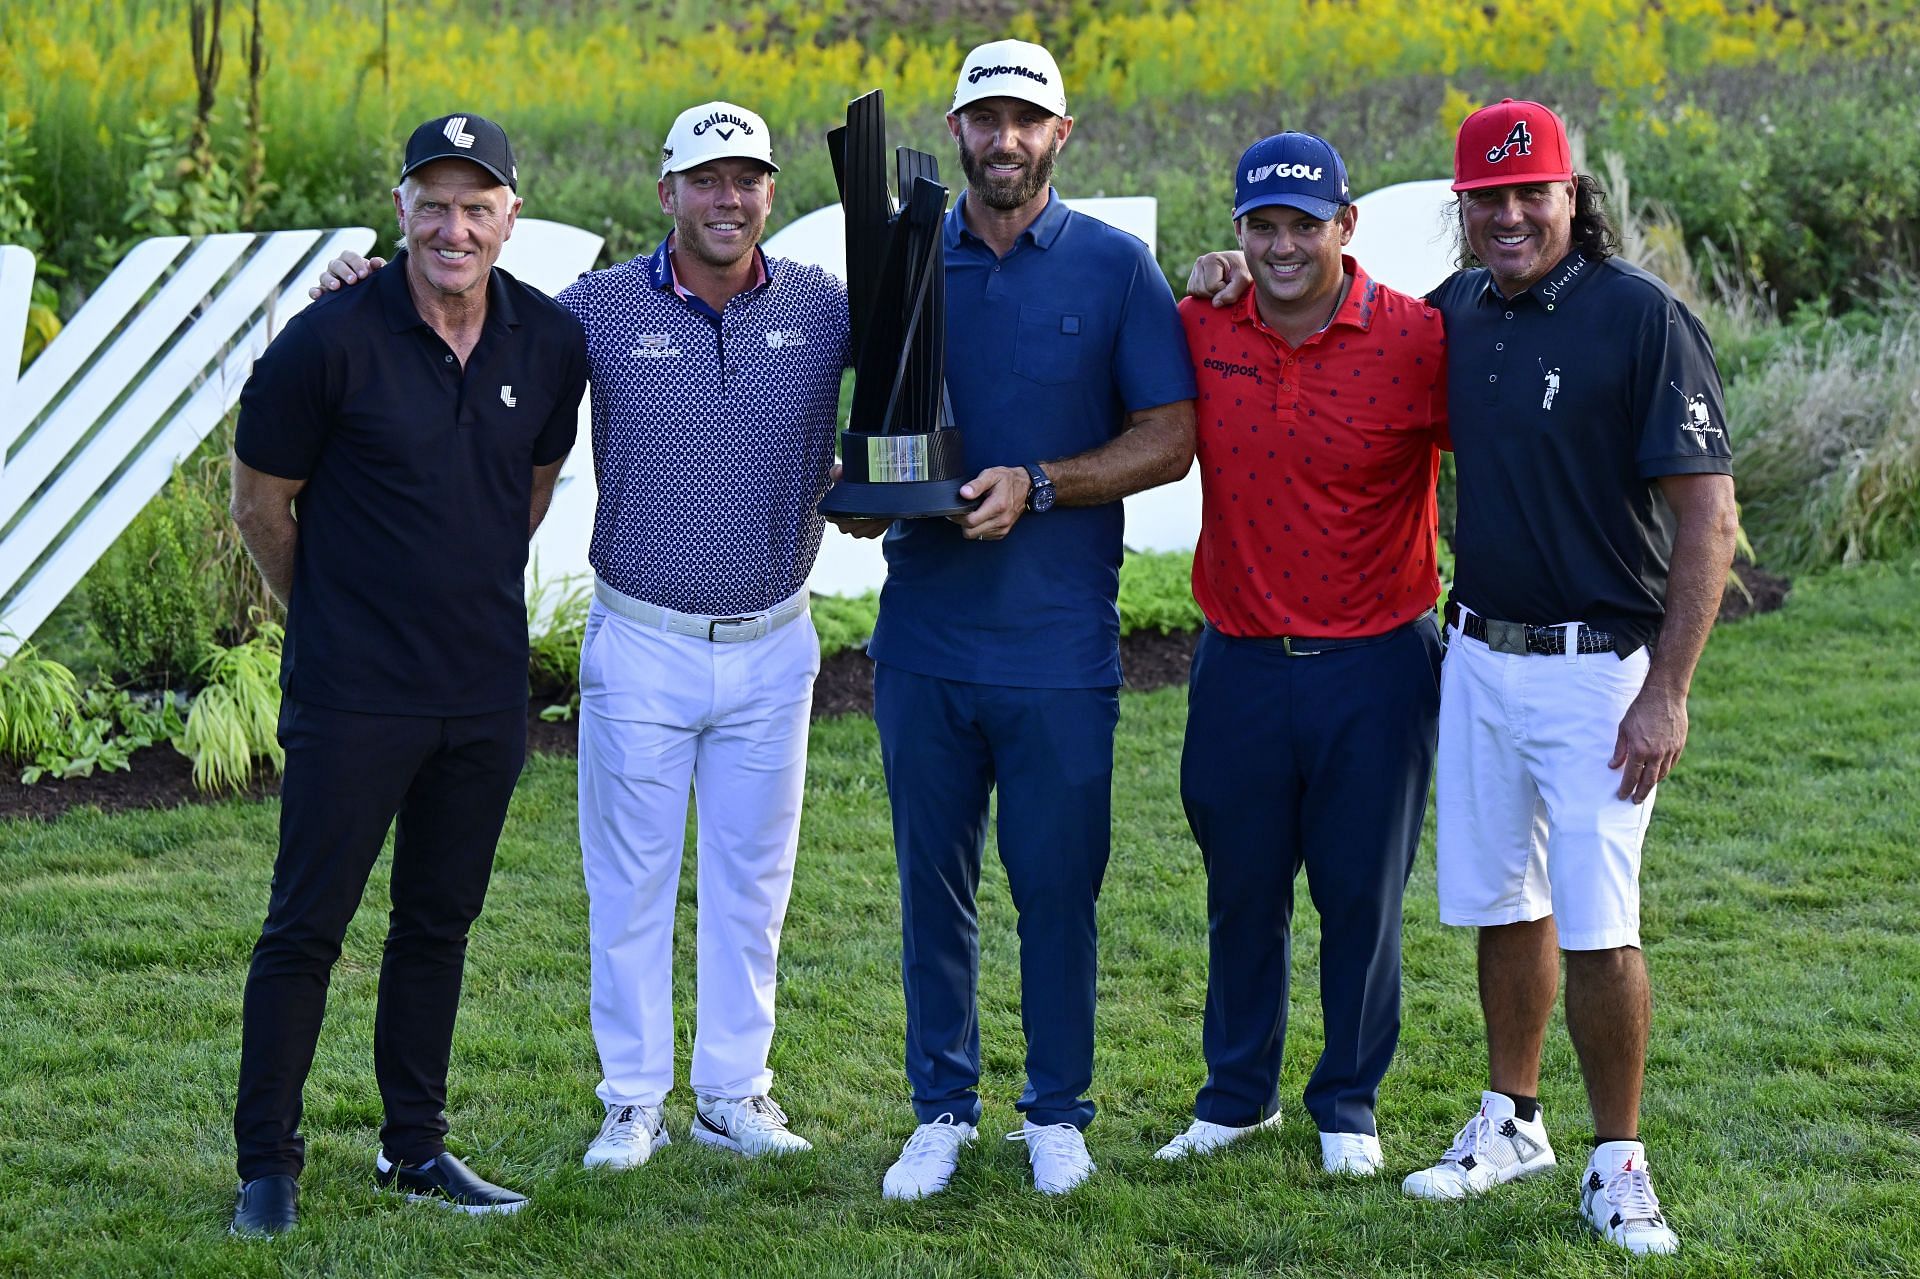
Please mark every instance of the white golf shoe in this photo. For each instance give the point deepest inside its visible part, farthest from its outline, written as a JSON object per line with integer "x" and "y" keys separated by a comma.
{"x": 750, "y": 1126}
{"x": 1495, "y": 1147}
{"x": 1617, "y": 1199}
{"x": 1203, "y": 1137}
{"x": 927, "y": 1161}
{"x": 1350, "y": 1154}
{"x": 1057, "y": 1154}
{"x": 628, "y": 1137}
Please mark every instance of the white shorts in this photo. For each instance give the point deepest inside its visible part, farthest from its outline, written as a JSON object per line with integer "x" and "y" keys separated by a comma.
{"x": 1530, "y": 819}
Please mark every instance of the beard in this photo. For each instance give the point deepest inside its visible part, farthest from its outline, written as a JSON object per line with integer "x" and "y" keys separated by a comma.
{"x": 1007, "y": 193}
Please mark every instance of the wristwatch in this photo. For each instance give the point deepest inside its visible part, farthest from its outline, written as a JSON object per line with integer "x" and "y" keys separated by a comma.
{"x": 1040, "y": 496}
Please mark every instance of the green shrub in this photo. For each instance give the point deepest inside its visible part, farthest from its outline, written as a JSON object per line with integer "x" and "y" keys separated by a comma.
{"x": 1827, "y": 439}
{"x": 179, "y": 581}
{"x": 844, "y": 622}
{"x": 147, "y": 601}
{"x": 37, "y": 698}
{"x": 1156, "y": 592}
{"x": 232, "y": 723}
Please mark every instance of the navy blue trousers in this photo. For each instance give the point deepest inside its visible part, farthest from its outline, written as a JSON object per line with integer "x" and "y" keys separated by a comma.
{"x": 1321, "y": 762}
{"x": 444, "y": 785}
{"x": 946, "y": 746}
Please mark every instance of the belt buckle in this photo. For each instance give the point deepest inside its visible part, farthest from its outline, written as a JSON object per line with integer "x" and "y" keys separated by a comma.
{"x": 713, "y": 637}
{"x": 1286, "y": 646}
{"x": 1507, "y": 637}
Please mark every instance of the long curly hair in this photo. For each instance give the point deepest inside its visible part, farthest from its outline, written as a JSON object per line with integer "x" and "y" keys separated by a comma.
{"x": 1593, "y": 233}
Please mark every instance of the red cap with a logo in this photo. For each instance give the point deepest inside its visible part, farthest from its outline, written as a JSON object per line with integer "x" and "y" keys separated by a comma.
{"x": 1510, "y": 143}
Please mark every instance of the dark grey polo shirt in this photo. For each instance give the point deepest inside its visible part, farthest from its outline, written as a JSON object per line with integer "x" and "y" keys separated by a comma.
{"x": 1567, "y": 403}
{"x": 407, "y": 577}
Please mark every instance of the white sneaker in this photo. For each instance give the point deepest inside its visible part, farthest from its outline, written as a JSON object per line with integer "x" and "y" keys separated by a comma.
{"x": 1617, "y": 1198}
{"x": 1204, "y": 1137}
{"x": 1350, "y": 1154}
{"x": 628, "y": 1137}
{"x": 1496, "y": 1146}
{"x": 927, "y": 1161}
{"x": 750, "y": 1126}
{"x": 1058, "y": 1153}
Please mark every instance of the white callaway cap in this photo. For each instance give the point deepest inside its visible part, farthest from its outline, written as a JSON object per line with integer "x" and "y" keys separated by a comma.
{"x": 715, "y": 131}
{"x": 1011, "y": 69}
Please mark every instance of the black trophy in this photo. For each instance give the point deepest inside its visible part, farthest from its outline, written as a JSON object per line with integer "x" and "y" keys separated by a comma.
{"x": 900, "y": 455}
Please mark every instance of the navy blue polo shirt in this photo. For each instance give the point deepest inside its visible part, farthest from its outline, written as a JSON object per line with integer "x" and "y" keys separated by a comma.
{"x": 1048, "y": 350}
{"x": 408, "y": 596}
{"x": 1567, "y": 404}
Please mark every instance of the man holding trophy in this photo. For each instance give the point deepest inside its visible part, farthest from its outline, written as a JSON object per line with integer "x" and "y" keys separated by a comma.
{"x": 997, "y": 647}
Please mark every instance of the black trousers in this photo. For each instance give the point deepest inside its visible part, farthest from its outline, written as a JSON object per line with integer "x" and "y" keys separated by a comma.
{"x": 444, "y": 784}
{"x": 1324, "y": 763}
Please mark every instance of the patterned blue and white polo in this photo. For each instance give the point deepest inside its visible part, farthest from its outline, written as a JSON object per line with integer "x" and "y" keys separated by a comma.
{"x": 713, "y": 432}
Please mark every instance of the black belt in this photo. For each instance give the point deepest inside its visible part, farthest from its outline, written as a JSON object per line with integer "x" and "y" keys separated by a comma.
{"x": 1314, "y": 646}
{"x": 1521, "y": 639}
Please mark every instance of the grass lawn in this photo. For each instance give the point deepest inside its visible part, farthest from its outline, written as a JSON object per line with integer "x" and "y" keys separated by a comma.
{"x": 1783, "y": 1109}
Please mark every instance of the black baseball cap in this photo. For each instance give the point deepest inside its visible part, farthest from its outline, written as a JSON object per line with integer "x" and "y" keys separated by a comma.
{"x": 463, "y": 137}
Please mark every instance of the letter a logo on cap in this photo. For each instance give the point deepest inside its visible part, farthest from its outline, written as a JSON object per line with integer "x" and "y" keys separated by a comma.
{"x": 1519, "y": 142}
{"x": 457, "y": 134}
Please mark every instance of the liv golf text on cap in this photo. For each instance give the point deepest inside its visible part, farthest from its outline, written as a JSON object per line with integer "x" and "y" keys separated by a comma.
{"x": 1298, "y": 170}
{"x": 463, "y": 137}
{"x": 1011, "y": 69}
{"x": 715, "y": 131}
{"x": 1510, "y": 143}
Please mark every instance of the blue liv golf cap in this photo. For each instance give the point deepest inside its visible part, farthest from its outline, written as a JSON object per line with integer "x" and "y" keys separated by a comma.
{"x": 1298, "y": 170}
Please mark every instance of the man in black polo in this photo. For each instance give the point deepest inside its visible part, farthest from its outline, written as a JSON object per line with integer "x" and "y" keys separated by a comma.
{"x": 397, "y": 447}
{"x": 1597, "y": 523}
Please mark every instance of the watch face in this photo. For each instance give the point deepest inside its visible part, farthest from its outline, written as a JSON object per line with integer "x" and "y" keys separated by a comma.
{"x": 1040, "y": 494}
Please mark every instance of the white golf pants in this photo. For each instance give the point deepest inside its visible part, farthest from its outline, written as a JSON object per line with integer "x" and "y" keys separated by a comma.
{"x": 660, "y": 712}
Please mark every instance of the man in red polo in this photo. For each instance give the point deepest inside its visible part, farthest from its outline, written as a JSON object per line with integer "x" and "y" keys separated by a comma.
{"x": 1315, "y": 688}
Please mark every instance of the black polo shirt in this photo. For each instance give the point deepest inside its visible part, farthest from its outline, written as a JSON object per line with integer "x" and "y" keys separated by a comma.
{"x": 408, "y": 596}
{"x": 1566, "y": 404}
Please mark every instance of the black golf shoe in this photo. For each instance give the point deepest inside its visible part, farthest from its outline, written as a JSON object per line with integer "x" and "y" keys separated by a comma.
{"x": 448, "y": 1182}
{"x": 267, "y": 1206}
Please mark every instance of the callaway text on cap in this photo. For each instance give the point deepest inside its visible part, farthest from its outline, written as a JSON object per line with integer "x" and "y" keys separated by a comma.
{"x": 715, "y": 131}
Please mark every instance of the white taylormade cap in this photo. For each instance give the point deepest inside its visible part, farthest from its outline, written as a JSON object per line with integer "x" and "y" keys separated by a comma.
{"x": 715, "y": 131}
{"x": 1011, "y": 69}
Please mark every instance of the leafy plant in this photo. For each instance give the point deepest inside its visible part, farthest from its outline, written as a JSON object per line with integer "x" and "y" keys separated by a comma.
{"x": 232, "y": 723}
{"x": 106, "y": 728}
{"x": 556, "y": 624}
{"x": 37, "y": 698}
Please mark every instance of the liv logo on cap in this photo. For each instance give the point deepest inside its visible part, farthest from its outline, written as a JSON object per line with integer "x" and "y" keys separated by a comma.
{"x": 1509, "y": 144}
{"x": 462, "y": 137}
{"x": 1299, "y": 170}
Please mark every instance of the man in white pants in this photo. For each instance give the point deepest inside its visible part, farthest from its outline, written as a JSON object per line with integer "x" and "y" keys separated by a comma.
{"x": 716, "y": 381}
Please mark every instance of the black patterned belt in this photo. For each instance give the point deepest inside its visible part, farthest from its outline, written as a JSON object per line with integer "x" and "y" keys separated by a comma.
{"x": 1521, "y": 639}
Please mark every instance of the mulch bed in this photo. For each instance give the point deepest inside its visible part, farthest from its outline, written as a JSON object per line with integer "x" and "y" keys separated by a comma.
{"x": 161, "y": 777}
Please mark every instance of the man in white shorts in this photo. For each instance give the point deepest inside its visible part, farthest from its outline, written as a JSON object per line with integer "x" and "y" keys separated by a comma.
{"x": 1596, "y": 527}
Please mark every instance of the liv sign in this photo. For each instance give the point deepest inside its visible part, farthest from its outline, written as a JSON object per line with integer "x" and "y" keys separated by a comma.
{"x": 159, "y": 353}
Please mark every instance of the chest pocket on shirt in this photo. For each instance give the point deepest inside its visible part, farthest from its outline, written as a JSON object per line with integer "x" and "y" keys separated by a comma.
{"x": 1048, "y": 345}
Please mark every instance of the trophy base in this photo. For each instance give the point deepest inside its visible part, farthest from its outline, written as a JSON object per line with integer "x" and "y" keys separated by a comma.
{"x": 895, "y": 500}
